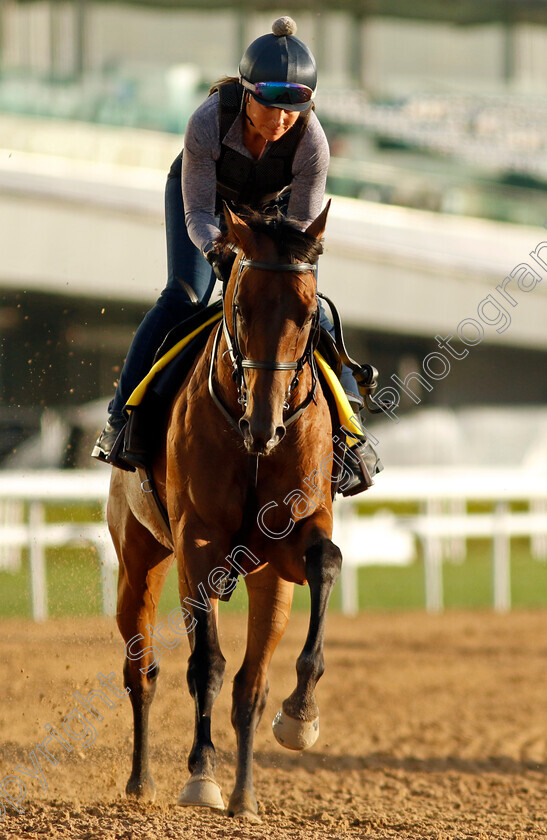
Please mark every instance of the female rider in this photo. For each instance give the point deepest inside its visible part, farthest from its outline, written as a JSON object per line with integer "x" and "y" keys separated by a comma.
{"x": 257, "y": 142}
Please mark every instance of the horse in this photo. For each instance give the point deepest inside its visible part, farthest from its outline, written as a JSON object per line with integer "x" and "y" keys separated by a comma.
{"x": 241, "y": 471}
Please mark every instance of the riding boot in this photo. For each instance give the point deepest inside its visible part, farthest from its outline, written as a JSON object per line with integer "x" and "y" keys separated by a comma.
{"x": 109, "y": 444}
{"x": 362, "y": 462}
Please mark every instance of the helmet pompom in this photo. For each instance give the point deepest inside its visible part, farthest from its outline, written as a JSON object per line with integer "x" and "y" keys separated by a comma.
{"x": 284, "y": 26}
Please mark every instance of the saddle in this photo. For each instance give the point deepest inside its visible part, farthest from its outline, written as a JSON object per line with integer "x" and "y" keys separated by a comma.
{"x": 148, "y": 404}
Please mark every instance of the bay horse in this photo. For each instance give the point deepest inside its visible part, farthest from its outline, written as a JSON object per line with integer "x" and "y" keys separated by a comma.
{"x": 238, "y": 473}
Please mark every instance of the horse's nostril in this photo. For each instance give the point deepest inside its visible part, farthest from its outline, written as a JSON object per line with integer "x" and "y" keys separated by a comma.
{"x": 245, "y": 427}
{"x": 260, "y": 440}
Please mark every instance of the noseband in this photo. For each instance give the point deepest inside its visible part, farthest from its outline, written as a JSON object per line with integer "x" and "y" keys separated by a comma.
{"x": 240, "y": 363}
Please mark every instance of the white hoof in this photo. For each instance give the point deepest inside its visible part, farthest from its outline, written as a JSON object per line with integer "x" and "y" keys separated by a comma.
{"x": 295, "y": 734}
{"x": 203, "y": 792}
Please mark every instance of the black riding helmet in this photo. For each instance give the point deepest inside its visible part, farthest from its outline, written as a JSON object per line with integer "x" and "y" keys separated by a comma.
{"x": 279, "y": 70}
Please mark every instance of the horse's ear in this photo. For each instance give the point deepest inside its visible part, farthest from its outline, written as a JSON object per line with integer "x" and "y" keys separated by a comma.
{"x": 317, "y": 227}
{"x": 240, "y": 233}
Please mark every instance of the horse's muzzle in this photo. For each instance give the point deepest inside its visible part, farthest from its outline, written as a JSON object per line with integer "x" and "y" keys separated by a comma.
{"x": 260, "y": 440}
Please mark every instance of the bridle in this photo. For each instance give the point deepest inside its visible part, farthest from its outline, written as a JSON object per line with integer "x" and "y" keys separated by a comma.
{"x": 240, "y": 363}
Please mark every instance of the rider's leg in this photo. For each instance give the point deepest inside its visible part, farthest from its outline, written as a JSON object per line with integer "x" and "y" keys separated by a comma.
{"x": 185, "y": 262}
{"x": 347, "y": 378}
{"x": 360, "y": 458}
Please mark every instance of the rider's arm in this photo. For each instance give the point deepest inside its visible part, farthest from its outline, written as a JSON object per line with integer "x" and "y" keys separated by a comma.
{"x": 199, "y": 180}
{"x": 310, "y": 165}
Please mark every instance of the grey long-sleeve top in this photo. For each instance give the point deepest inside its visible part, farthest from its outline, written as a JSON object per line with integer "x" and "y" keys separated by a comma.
{"x": 202, "y": 150}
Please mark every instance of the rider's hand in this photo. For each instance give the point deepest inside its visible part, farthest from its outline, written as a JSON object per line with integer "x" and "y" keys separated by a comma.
{"x": 221, "y": 263}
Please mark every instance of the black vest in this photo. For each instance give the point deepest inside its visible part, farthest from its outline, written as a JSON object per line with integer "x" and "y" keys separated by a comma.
{"x": 242, "y": 180}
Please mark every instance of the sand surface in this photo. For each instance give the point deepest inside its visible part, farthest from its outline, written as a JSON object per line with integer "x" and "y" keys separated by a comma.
{"x": 431, "y": 727}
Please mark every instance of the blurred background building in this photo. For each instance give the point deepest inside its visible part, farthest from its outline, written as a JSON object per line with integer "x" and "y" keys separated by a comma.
{"x": 436, "y": 112}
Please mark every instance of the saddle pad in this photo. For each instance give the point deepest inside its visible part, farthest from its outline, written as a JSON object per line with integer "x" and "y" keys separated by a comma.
{"x": 343, "y": 407}
{"x": 138, "y": 394}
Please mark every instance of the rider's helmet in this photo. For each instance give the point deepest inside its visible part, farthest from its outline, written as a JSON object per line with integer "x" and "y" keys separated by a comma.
{"x": 279, "y": 70}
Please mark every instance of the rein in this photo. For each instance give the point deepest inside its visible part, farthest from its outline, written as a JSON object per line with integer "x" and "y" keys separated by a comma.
{"x": 240, "y": 363}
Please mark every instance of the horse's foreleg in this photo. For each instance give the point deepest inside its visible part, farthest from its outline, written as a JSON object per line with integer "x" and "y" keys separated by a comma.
{"x": 269, "y": 607}
{"x": 296, "y": 725}
{"x": 205, "y": 675}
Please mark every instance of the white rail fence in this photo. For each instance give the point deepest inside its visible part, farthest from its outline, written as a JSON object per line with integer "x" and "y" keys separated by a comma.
{"x": 23, "y": 500}
{"x": 443, "y": 526}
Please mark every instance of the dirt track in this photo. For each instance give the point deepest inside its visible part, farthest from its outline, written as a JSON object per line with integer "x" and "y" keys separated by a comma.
{"x": 431, "y": 727}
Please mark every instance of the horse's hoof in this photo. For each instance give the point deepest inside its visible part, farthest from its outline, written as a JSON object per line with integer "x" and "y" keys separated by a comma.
{"x": 243, "y": 806}
{"x": 201, "y": 791}
{"x": 144, "y": 791}
{"x": 295, "y": 734}
{"x": 246, "y": 816}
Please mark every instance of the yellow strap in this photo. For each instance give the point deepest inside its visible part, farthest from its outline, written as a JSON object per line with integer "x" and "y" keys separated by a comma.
{"x": 136, "y": 397}
{"x": 345, "y": 411}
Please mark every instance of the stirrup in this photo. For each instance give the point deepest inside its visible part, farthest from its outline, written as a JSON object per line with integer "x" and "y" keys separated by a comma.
{"x": 116, "y": 454}
{"x": 109, "y": 445}
{"x": 363, "y": 463}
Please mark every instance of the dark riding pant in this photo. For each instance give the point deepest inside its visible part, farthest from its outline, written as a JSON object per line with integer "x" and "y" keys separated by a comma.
{"x": 184, "y": 262}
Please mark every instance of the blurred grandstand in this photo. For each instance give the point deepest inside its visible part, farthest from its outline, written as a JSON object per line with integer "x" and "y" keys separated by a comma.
{"x": 477, "y": 155}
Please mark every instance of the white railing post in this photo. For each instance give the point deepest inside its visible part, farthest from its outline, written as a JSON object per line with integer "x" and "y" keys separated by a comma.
{"x": 501, "y": 551}
{"x": 538, "y": 542}
{"x": 433, "y": 562}
{"x": 456, "y": 546}
{"x": 349, "y": 583}
{"x": 433, "y": 572}
{"x": 37, "y": 560}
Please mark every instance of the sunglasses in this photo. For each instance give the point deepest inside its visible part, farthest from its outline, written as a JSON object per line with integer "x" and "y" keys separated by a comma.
{"x": 279, "y": 93}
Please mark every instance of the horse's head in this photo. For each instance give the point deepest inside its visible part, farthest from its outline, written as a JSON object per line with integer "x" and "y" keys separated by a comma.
{"x": 271, "y": 313}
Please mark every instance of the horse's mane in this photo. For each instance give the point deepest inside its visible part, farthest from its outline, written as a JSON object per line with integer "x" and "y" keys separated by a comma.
{"x": 291, "y": 242}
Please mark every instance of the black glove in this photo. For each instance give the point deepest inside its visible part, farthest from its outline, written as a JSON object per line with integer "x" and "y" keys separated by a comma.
{"x": 221, "y": 263}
